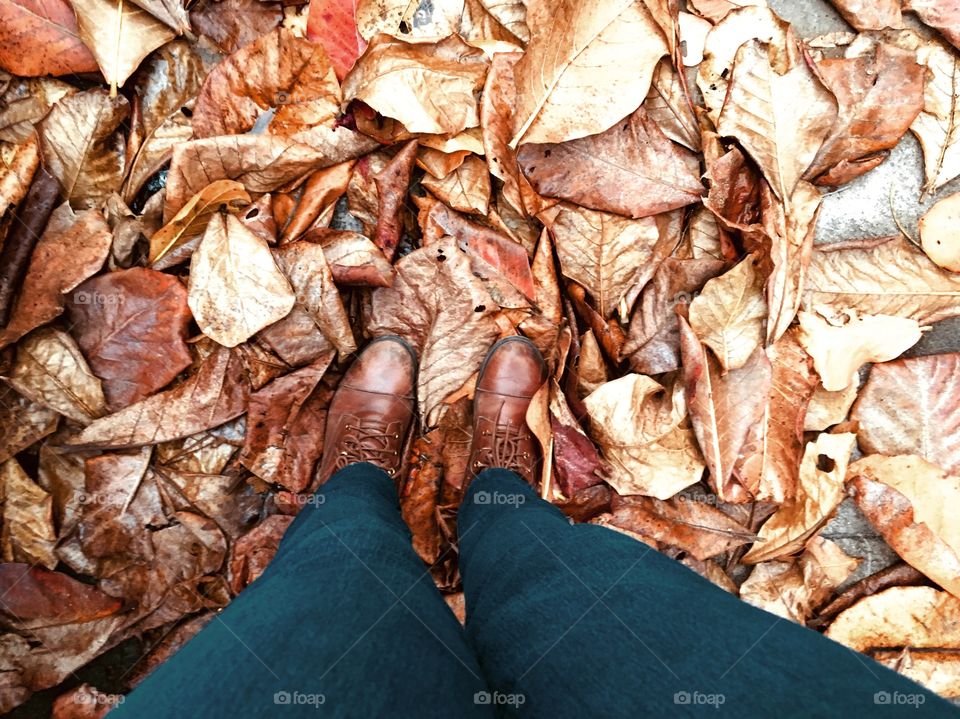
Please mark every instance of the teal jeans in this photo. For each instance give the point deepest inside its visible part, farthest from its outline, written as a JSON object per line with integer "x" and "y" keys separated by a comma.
{"x": 562, "y": 621}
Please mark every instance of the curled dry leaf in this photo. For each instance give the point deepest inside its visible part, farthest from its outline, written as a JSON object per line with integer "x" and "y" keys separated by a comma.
{"x": 913, "y": 504}
{"x": 900, "y": 617}
{"x": 909, "y": 407}
{"x": 233, "y": 24}
{"x": 496, "y": 113}
{"x": 608, "y": 254}
{"x": 445, "y": 312}
{"x": 192, "y": 219}
{"x": 131, "y": 326}
{"x": 938, "y": 233}
{"x": 942, "y": 15}
{"x": 216, "y": 393}
{"x": 937, "y": 127}
{"x": 653, "y": 345}
{"x": 880, "y": 94}
{"x": 466, "y": 189}
{"x": 320, "y": 194}
{"x": 885, "y": 276}
{"x": 841, "y": 342}
{"x": 587, "y": 66}
{"x": 632, "y": 169}
{"x": 119, "y": 45}
{"x": 779, "y": 115}
{"x": 235, "y": 286}
{"x": 769, "y": 461}
{"x": 40, "y": 37}
{"x": 82, "y": 145}
{"x": 278, "y": 70}
{"x": 728, "y": 315}
{"x": 820, "y": 490}
{"x": 641, "y": 429}
{"x": 698, "y": 528}
{"x": 723, "y": 407}
{"x": 72, "y": 248}
{"x": 355, "y": 260}
{"x": 51, "y": 371}
{"x": 392, "y": 183}
{"x": 668, "y": 105}
{"x": 429, "y": 87}
{"x": 28, "y": 535}
{"x": 870, "y": 14}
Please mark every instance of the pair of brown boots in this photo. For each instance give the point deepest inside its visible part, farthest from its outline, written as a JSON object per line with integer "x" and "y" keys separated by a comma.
{"x": 373, "y": 409}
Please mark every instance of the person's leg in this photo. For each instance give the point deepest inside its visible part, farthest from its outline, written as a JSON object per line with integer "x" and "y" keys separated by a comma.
{"x": 346, "y": 619}
{"x": 579, "y": 620}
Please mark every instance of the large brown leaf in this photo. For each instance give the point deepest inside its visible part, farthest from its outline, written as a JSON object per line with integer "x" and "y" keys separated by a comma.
{"x": 131, "y": 326}
{"x": 27, "y": 101}
{"x": 870, "y": 15}
{"x": 942, "y": 15}
{"x": 769, "y": 462}
{"x": 236, "y": 288}
{"x": 279, "y": 70}
{"x": 233, "y": 24}
{"x": 429, "y": 87}
{"x": 82, "y": 145}
{"x": 119, "y": 45}
{"x": 393, "y": 183}
{"x": 608, "y": 254}
{"x": 631, "y": 169}
{"x": 819, "y": 491}
{"x": 72, "y": 248}
{"x": 781, "y": 116}
{"x": 913, "y": 505}
{"x": 723, "y": 408}
{"x": 937, "y": 127}
{"x": 880, "y": 94}
{"x": 33, "y": 596}
{"x": 884, "y": 276}
{"x": 40, "y": 37}
{"x": 466, "y": 189}
{"x": 216, "y": 393}
{"x": 588, "y": 65}
{"x": 438, "y": 305}
{"x": 641, "y": 429}
{"x": 910, "y": 407}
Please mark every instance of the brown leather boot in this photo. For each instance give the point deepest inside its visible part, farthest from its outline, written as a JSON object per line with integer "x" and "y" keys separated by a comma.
{"x": 510, "y": 375}
{"x": 372, "y": 410}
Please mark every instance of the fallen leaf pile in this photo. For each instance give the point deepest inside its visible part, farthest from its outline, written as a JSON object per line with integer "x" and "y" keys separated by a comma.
{"x": 207, "y": 208}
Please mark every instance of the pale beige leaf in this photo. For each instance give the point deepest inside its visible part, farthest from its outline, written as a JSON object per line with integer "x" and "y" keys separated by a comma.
{"x": 466, "y": 189}
{"x": 640, "y": 428}
{"x": 938, "y": 671}
{"x": 728, "y": 315}
{"x": 716, "y": 10}
{"x": 821, "y": 489}
{"x": 512, "y": 14}
{"x": 937, "y": 127}
{"x": 119, "y": 43}
{"x": 83, "y": 147}
{"x": 236, "y": 288}
{"x": 588, "y": 64}
{"x": 51, "y": 370}
{"x": 841, "y": 342}
{"x": 481, "y": 29}
{"x": 886, "y": 276}
{"x": 938, "y": 233}
{"x": 942, "y": 15}
{"x": 780, "y": 118}
{"x": 28, "y": 535}
{"x": 913, "y": 504}
{"x": 408, "y": 19}
{"x": 870, "y": 14}
{"x": 900, "y": 617}
{"x": 668, "y": 104}
{"x": 910, "y": 406}
{"x": 170, "y": 12}
{"x": 430, "y": 87}
{"x": 829, "y": 408}
{"x": 607, "y": 254}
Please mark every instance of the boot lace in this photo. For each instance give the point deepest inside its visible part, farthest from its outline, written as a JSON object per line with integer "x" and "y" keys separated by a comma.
{"x": 367, "y": 439}
{"x": 507, "y": 447}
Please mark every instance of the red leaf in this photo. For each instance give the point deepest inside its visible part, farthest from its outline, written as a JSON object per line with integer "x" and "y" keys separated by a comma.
{"x": 333, "y": 24}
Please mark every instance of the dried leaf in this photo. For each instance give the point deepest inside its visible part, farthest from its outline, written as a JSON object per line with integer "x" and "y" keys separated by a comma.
{"x": 819, "y": 491}
{"x": 28, "y": 535}
{"x": 780, "y": 117}
{"x": 728, "y": 315}
{"x": 131, "y": 326}
{"x": 607, "y": 254}
{"x": 496, "y": 114}
{"x": 355, "y": 260}
{"x": 82, "y": 145}
{"x": 429, "y": 87}
{"x": 119, "y": 45}
{"x": 587, "y": 66}
{"x": 216, "y": 393}
{"x": 913, "y": 505}
{"x": 937, "y": 127}
{"x": 938, "y": 235}
{"x": 829, "y": 408}
{"x": 278, "y": 70}
{"x": 632, "y": 169}
{"x": 840, "y": 343}
{"x": 641, "y": 430}
{"x": 33, "y": 596}
{"x": 716, "y": 10}
{"x": 251, "y": 554}
{"x": 27, "y": 101}
{"x": 942, "y": 15}
{"x": 668, "y": 105}
{"x": 872, "y": 15}
{"x": 233, "y": 24}
{"x": 883, "y": 276}
{"x": 466, "y": 189}
{"x": 40, "y": 37}
{"x": 392, "y": 183}
{"x": 909, "y": 407}
{"x": 437, "y": 305}
{"x": 333, "y": 24}
{"x": 235, "y": 286}
{"x": 22, "y": 422}
{"x": 51, "y": 371}
{"x": 938, "y": 671}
